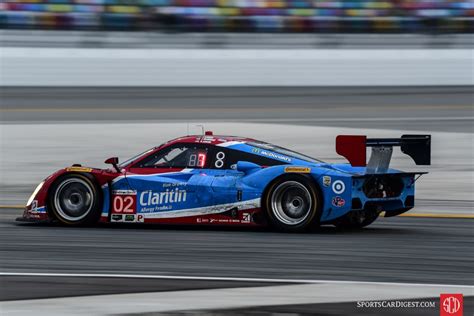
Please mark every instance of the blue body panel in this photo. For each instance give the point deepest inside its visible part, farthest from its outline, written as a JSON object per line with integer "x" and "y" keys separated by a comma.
{"x": 193, "y": 192}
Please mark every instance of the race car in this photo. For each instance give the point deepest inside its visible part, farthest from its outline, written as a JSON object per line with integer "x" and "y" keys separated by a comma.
{"x": 228, "y": 180}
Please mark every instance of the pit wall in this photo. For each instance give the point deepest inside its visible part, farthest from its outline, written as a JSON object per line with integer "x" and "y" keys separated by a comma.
{"x": 39, "y": 66}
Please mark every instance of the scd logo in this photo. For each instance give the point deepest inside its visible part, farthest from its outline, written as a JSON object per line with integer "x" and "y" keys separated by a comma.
{"x": 451, "y": 305}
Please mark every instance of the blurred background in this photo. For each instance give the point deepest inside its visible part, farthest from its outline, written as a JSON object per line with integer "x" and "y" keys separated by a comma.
{"x": 83, "y": 80}
{"x": 196, "y": 42}
{"x": 273, "y": 16}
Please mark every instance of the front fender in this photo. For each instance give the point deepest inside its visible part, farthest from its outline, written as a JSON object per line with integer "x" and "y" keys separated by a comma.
{"x": 37, "y": 208}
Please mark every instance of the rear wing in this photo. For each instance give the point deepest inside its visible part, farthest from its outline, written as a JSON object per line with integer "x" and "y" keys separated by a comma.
{"x": 353, "y": 148}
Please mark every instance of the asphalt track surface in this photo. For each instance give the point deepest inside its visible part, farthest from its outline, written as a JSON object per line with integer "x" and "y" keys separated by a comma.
{"x": 417, "y": 108}
{"x": 418, "y": 250}
{"x": 26, "y": 287}
{"x": 412, "y": 250}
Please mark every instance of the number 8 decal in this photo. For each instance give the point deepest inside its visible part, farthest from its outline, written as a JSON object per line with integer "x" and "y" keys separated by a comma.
{"x": 219, "y": 160}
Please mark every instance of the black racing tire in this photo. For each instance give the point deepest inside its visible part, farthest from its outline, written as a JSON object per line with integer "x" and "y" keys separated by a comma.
{"x": 357, "y": 219}
{"x": 75, "y": 199}
{"x": 293, "y": 203}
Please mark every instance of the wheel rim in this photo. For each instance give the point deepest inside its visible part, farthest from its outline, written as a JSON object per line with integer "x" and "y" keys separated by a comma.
{"x": 291, "y": 203}
{"x": 73, "y": 199}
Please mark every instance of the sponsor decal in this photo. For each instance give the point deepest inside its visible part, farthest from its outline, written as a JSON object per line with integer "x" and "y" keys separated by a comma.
{"x": 207, "y": 139}
{"x": 129, "y": 218}
{"x": 133, "y": 218}
{"x": 174, "y": 184}
{"x": 326, "y": 181}
{"x": 116, "y": 217}
{"x": 270, "y": 154}
{"x": 338, "y": 201}
{"x": 246, "y": 217}
{"x": 298, "y": 169}
{"x": 124, "y": 192}
{"x": 161, "y": 201}
{"x": 35, "y": 209}
{"x": 34, "y": 206}
{"x": 224, "y": 220}
{"x": 338, "y": 187}
{"x": 451, "y": 305}
{"x": 79, "y": 169}
{"x": 124, "y": 202}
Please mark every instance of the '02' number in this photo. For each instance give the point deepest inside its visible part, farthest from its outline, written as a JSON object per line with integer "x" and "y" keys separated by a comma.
{"x": 124, "y": 204}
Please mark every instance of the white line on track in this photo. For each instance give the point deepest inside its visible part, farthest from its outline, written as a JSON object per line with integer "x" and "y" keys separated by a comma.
{"x": 210, "y": 278}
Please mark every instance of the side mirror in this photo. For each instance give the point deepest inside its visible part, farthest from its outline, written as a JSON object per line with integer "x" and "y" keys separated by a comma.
{"x": 114, "y": 162}
{"x": 247, "y": 167}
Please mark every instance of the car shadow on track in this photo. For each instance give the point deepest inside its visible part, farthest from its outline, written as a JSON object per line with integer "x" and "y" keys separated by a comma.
{"x": 322, "y": 230}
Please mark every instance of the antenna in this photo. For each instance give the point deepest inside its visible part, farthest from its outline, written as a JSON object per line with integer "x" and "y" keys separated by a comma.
{"x": 202, "y": 128}
{"x": 187, "y": 128}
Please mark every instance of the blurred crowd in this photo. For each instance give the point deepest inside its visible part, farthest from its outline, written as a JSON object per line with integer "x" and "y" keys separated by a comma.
{"x": 358, "y": 16}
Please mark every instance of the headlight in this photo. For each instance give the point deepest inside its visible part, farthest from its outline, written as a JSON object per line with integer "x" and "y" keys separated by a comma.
{"x": 30, "y": 200}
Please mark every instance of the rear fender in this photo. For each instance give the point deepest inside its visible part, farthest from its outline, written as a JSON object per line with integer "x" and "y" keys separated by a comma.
{"x": 336, "y": 202}
{"x": 336, "y": 188}
{"x": 259, "y": 180}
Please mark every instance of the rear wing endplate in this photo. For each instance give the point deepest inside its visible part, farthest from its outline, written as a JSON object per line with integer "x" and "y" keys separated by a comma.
{"x": 353, "y": 148}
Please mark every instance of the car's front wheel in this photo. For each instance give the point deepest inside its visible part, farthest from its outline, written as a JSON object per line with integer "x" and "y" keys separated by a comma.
{"x": 292, "y": 204}
{"x": 75, "y": 199}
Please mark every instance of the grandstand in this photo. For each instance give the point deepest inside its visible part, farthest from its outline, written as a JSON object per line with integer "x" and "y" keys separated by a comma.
{"x": 312, "y": 16}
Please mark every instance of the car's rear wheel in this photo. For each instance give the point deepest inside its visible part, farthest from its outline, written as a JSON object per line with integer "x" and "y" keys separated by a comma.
{"x": 357, "y": 219}
{"x": 75, "y": 199}
{"x": 292, "y": 204}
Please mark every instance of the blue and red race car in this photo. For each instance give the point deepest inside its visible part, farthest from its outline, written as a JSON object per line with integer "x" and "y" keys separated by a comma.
{"x": 228, "y": 180}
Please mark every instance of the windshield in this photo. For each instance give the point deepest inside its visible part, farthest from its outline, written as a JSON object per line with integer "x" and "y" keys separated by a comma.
{"x": 284, "y": 151}
{"x": 128, "y": 161}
